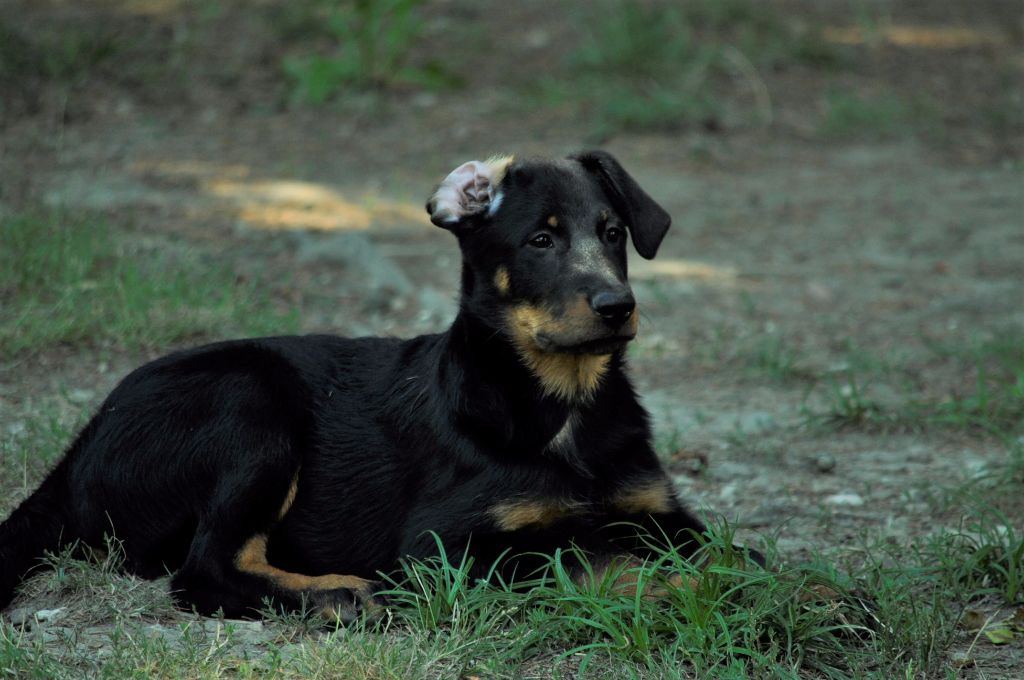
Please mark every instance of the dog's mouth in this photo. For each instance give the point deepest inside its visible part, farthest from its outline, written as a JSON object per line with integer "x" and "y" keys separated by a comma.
{"x": 596, "y": 346}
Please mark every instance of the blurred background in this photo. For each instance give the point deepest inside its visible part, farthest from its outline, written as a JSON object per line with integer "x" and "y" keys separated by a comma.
{"x": 832, "y": 328}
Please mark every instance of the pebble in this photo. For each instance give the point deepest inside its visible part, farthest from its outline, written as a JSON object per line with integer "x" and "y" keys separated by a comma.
{"x": 851, "y": 499}
{"x": 682, "y": 480}
{"x": 825, "y": 462}
{"x": 22, "y": 616}
{"x": 51, "y": 635}
{"x": 49, "y": 615}
{"x": 728, "y": 491}
{"x": 80, "y": 396}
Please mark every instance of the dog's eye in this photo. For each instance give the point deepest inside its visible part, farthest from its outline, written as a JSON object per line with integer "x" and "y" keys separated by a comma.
{"x": 541, "y": 241}
{"x": 613, "y": 234}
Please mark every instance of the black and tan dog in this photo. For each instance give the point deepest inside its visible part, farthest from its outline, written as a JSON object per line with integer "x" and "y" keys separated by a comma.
{"x": 298, "y": 469}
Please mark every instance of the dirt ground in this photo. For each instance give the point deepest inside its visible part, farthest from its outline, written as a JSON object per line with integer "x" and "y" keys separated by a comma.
{"x": 794, "y": 255}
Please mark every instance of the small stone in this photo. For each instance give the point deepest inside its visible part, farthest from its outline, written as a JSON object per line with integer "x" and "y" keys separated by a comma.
{"x": 22, "y": 616}
{"x": 825, "y": 462}
{"x": 683, "y": 480}
{"x": 52, "y": 635}
{"x": 961, "y": 659}
{"x": 49, "y": 615}
{"x": 425, "y": 100}
{"x": 80, "y": 396}
{"x": 851, "y": 499}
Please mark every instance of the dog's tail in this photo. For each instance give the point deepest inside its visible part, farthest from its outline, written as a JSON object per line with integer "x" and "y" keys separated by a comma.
{"x": 35, "y": 527}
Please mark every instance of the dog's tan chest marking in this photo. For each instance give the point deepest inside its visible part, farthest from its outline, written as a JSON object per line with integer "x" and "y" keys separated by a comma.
{"x": 568, "y": 376}
{"x": 561, "y": 374}
{"x": 651, "y": 496}
{"x": 537, "y": 512}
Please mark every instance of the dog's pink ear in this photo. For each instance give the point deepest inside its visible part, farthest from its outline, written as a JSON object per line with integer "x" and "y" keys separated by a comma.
{"x": 647, "y": 221}
{"x": 470, "y": 191}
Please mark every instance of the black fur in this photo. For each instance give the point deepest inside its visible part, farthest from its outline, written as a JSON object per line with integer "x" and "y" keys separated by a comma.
{"x": 194, "y": 454}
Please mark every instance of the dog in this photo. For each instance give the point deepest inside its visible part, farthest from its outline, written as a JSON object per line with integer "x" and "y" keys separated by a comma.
{"x": 297, "y": 470}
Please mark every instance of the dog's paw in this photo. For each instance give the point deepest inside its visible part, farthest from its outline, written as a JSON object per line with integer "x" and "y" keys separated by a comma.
{"x": 347, "y": 605}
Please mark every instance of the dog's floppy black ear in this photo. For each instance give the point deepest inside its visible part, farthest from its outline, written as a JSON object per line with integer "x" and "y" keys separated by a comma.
{"x": 647, "y": 221}
{"x": 469, "y": 192}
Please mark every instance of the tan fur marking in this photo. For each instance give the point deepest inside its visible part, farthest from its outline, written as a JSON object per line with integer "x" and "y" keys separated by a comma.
{"x": 512, "y": 515}
{"x": 624, "y": 581}
{"x": 553, "y": 221}
{"x": 252, "y": 559}
{"x": 564, "y": 375}
{"x": 568, "y": 376}
{"x": 289, "y": 500}
{"x": 499, "y": 166}
{"x": 653, "y": 495}
{"x": 501, "y": 280}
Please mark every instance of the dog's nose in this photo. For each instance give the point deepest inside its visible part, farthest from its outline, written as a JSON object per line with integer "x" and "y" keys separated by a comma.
{"x": 614, "y": 307}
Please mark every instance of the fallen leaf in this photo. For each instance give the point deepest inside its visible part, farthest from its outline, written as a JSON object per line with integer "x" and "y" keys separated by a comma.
{"x": 1000, "y": 636}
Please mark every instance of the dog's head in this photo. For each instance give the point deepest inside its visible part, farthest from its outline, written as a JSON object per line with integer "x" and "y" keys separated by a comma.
{"x": 544, "y": 249}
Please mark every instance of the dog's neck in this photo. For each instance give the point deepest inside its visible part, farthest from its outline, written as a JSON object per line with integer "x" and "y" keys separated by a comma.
{"x": 494, "y": 388}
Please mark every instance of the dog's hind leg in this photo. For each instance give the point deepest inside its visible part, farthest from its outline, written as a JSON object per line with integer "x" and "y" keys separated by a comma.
{"x": 226, "y": 568}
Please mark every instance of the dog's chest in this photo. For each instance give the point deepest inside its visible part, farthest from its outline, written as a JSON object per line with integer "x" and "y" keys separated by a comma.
{"x": 564, "y": 442}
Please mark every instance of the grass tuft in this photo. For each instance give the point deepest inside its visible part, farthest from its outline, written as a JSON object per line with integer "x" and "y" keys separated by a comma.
{"x": 883, "y": 116}
{"x": 665, "y": 66}
{"x": 66, "y": 281}
{"x": 989, "y": 399}
{"x": 369, "y": 46}
{"x": 892, "y": 612}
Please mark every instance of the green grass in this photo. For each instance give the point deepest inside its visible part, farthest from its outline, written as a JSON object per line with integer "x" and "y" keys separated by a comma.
{"x": 776, "y": 358}
{"x": 68, "y": 281}
{"x": 882, "y": 116}
{"x": 58, "y": 56}
{"x": 878, "y": 609}
{"x": 368, "y": 46}
{"x": 26, "y": 453}
{"x": 893, "y": 613}
{"x": 30, "y": 61}
{"x": 989, "y": 398}
{"x": 665, "y": 66}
